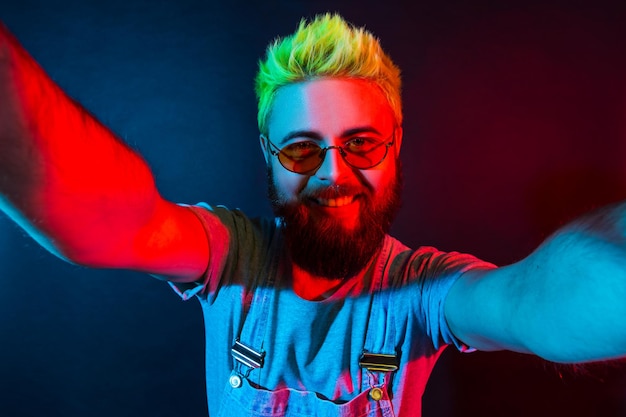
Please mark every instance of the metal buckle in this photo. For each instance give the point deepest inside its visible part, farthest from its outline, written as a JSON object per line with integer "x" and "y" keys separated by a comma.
{"x": 378, "y": 362}
{"x": 247, "y": 355}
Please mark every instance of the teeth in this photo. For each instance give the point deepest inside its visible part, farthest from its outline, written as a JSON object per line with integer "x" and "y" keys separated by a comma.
{"x": 335, "y": 202}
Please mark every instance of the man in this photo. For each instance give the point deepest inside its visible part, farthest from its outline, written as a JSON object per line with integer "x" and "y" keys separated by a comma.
{"x": 318, "y": 312}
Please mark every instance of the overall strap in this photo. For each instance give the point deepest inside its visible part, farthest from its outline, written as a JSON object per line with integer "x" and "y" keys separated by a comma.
{"x": 248, "y": 347}
{"x": 380, "y": 357}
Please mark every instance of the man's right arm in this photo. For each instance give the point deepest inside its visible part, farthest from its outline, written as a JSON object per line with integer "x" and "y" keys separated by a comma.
{"x": 80, "y": 191}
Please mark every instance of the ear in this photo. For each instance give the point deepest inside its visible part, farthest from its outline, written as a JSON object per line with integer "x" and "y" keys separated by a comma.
{"x": 398, "y": 140}
{"x": 265, "y": 148}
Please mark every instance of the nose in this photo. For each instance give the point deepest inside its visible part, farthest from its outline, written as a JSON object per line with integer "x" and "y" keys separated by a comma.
{"x": 333, "y": 164}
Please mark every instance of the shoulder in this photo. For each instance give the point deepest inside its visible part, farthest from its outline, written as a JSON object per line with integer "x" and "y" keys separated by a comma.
{"x": 236, "y": 222}
{"x": 426, "y": 265}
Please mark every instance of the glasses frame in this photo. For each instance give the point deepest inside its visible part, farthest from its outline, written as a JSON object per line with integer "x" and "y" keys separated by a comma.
{"x": 387, "y": 143}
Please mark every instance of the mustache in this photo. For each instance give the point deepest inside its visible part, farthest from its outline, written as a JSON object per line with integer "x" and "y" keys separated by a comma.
{"x": 333, "y": 191}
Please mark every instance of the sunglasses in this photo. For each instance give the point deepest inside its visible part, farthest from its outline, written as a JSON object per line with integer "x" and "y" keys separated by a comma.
{"x": 307, "y": 156}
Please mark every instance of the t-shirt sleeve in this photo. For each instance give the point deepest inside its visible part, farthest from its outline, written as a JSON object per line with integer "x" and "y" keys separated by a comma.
{"x": 218, "y": 237}
{"x": 437, "y": 272}
{"x": 237, "y": 245}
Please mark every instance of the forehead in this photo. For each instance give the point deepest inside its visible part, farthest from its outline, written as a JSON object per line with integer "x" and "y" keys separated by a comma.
{"x": 329, "y": 106}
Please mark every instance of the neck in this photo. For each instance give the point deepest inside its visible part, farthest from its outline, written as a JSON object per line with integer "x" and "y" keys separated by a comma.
{"x": 312, "y": 287}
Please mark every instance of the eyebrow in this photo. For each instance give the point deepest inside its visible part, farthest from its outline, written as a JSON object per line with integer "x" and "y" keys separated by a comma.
{"x": 311, "y": 134}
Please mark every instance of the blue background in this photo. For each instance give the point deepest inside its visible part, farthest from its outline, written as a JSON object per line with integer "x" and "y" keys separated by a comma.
{"x": 515, "y": 123}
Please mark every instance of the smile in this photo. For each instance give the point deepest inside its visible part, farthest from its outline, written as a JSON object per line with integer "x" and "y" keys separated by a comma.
{"x": 335, "y": 202}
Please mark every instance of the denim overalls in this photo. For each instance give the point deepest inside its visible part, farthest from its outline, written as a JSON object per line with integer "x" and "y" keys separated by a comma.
{"x": 241, "y": 397}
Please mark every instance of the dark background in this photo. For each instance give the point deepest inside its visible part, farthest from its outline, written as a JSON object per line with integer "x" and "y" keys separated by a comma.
{"x": 515, "y": 123}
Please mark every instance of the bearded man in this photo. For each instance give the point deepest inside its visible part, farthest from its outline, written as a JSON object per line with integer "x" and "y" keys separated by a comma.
{"x": 317, "y": 311}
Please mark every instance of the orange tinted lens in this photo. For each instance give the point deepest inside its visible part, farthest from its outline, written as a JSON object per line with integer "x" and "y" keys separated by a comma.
{"x": 300, "y": 157}
{"x": 367, "y": 160}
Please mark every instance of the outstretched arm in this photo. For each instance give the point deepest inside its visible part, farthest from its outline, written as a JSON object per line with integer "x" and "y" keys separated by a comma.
{"x": 77, "y": 189}
{"x": 566, "y": 302}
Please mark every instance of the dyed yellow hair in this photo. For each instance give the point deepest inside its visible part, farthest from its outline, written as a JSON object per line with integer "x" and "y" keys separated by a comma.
{"x": 327, "y": 46}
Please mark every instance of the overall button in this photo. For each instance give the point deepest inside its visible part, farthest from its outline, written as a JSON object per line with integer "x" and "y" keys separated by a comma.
{"x": 235, "y": 381}
{"x": 376, "y": 394}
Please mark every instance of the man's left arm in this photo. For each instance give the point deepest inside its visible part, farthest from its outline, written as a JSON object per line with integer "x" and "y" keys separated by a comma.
{"x": 565, "y": 302}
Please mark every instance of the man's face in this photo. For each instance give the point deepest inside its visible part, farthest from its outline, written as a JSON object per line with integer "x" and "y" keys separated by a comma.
{"x": 336, "y": 210}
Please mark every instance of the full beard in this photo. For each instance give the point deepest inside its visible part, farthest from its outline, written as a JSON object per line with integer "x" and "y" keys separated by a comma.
{"x": 323, "y": 246}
